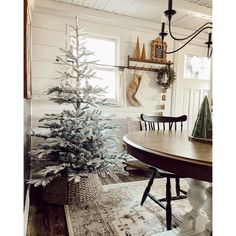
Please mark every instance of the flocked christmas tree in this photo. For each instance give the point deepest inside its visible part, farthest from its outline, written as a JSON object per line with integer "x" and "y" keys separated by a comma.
{"x": 78, "y": 141}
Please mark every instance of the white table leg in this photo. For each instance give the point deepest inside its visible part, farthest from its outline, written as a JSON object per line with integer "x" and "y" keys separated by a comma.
{"x": 195, "y": 221}
{"x": 208, "y": 210}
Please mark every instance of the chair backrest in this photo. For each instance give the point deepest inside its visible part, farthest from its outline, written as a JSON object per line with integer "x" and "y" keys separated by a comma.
{"x": 160, "y": 122}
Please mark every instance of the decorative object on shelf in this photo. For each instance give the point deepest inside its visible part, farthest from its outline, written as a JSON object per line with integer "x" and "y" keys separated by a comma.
{"x": 137, "y": 50}
{"x": 162, "y": 107}
{"x": 145, "y": 67}
{"x": 133, "y": 87}
{"x": 143, "y": 55}
{"x": 75, "y": 141}
{"x": 207, "y": 26}
{"x": 202, "y": 130}
{"x": 156, "y": 50}
{"x": 165, "y": 77}
{"x": 163, "y": 98}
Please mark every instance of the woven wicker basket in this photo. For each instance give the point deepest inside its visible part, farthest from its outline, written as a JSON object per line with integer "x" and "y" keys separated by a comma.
{"x": 64, "y": 192}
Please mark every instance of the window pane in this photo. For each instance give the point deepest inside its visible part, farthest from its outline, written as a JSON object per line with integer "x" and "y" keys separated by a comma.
{"x": 104, "y": 53}
{"x": 107, "y": 79}
{"x": 104, "y": 50}
{"x": 196, "y": 67}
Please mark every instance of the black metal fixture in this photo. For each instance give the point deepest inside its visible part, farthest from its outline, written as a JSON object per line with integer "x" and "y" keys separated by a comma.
{"x": 207, "y": 26}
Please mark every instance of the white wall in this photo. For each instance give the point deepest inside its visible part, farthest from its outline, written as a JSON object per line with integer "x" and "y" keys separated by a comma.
{"x": 49, "y": 33}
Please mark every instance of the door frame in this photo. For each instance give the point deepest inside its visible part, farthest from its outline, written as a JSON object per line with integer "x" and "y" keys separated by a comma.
{"x": 173, "y": 108}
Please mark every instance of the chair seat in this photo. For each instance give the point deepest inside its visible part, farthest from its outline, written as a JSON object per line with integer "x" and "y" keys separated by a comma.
{"x": 164, "y": 173}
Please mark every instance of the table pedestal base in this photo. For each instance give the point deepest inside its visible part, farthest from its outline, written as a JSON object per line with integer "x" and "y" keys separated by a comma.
{"x": 196, "y": 222}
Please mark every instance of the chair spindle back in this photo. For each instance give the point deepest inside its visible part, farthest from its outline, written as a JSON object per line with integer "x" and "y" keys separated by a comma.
{"x": 160, "y": 122}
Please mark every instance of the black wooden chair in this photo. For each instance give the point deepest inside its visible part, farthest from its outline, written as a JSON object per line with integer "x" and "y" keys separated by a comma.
{"x": 163, "y": 123}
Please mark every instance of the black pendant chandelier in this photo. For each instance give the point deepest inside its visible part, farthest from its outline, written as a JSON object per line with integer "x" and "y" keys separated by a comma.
{"x": 207, "y": 26}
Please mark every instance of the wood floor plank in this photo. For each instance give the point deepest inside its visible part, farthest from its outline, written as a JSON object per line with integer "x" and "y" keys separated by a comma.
{"x": 49, "y": 220}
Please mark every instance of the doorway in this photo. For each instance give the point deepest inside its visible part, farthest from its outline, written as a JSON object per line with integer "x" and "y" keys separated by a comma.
{"x": 193, "y": 82}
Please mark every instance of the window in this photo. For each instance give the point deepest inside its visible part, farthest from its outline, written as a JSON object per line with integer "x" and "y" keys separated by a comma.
{"x": 105, "y": 53}
{"x": 196, "y": 67}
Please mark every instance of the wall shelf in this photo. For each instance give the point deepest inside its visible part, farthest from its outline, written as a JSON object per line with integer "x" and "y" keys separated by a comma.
{"x": 145, "y": 68}
{"x": 136, "y": 67}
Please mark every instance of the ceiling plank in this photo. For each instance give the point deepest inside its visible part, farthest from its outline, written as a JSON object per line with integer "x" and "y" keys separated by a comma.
{"x": 184, "y": 7}
{"x": 106, "y": 18}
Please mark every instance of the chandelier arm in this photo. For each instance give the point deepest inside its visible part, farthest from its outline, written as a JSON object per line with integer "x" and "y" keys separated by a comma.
{"x": 170, "y": 52}
{"x": 180, "y": 39}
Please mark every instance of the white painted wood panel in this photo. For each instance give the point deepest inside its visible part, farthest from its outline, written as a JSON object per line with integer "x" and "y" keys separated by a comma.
{"x": 190, "y": 10}
{"x": 116, "y": 20}
{"x": 48, "y": 37}
{"x": 189, "y": 92}
{"x": 207, "y": 3}
{"x": 101, "y": 4}
{"x": 44, "y": 70}
{"x": 113, "y": 5}
{"x": 129, "y": 8}
{"x": 77, "y": 2}
{"x": 41, "y": 85}
{"x": 186, "y": 102}
{"x": 47, "y": 21}
{"x": 191, "y": 103}
{"x": 49, "y": 33}
{"x": 87, "y": 3}
{"x": 146, "y": 12}
{"x": 152, "y": 13}
{"x": 44, "y": 53}
{"x": 195, "y": 107}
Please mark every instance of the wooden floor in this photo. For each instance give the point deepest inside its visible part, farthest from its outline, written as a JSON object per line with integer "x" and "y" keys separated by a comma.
{"x": 49, "y": 220}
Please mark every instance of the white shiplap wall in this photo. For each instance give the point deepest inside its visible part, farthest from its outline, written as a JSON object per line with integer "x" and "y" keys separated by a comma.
{"x": 49, "y": 33}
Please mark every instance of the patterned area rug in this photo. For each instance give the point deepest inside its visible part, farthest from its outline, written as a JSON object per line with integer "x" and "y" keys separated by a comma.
{"x": 118, "y": 212}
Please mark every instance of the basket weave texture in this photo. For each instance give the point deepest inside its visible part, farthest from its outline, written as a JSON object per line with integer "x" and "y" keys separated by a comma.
{"x": 63, "y": 192}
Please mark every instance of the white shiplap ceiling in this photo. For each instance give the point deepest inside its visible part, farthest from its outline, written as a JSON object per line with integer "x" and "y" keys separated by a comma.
{"x": 190, "y": 13}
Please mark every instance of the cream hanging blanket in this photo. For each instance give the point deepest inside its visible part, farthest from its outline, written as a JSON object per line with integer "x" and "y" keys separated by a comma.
{"x": 122, "y": 89}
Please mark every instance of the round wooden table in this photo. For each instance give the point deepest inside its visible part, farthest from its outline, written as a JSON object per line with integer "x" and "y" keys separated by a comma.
{"x": 172, "y": 151}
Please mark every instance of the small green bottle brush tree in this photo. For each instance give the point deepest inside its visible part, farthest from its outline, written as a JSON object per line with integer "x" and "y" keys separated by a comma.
{"x": 77, "y": 141}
